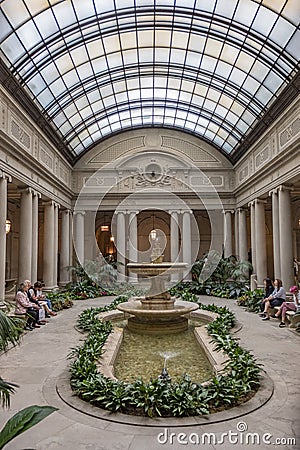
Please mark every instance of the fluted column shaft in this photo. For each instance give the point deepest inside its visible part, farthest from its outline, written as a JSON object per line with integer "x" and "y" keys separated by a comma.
{"x": 79, "y": 235}
{"x": 48, "y": 253}
{"x": 227, "y": 234}
{"x": 260, "y": 242}
{"x": 65, "y": 248}
{"x": 187, "y": 240}
{"x": 276, "y": 241}
{"x": 35, "y": 236}
{"x": 25, "y": 235}
{"x": 133, "y": 241}
{"x": 285, "y": 233}
{"x": 121, "y": 245}
{"x": 243, "y": 251}
{"x": 3, "y": 216}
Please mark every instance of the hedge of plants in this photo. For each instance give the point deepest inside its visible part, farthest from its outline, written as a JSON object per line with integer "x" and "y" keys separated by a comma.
{"x": 157, "y": 397}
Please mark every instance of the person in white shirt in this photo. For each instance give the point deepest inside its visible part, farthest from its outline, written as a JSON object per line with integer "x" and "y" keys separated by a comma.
{"x": 289, "y": 306}
{"x": 277, "y": 297}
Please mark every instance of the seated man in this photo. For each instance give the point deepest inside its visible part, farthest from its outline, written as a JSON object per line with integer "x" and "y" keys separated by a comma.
{"x": 277, "y": 297}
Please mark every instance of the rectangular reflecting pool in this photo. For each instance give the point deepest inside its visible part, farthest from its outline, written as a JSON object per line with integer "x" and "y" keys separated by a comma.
{"x": 143, "y": 356}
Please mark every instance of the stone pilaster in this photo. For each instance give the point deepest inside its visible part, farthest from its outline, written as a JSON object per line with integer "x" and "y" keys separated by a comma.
{"x": 25, "y": 235}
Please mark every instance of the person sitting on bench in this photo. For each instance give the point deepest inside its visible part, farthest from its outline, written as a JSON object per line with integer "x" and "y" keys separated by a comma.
{"x": 289, "y": 306}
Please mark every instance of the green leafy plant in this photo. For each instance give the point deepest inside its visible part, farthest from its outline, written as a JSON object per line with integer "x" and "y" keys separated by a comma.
{"x": 251, "y": 300}
{"x": 22, "y": 421}
{"x": 162, "y": 397}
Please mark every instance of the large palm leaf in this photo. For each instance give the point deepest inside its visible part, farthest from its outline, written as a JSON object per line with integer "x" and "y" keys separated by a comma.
{"x": 10, "y": 330}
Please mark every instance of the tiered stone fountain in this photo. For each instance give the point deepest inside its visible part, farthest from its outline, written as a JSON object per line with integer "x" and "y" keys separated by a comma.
{"x": 157, "y": 312}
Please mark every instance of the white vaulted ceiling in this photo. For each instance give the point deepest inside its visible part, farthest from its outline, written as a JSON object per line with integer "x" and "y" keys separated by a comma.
{"x": 97, "y": 67}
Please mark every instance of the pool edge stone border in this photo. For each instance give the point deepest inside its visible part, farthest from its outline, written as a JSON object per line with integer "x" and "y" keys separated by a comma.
{"x": 262, "y": 396}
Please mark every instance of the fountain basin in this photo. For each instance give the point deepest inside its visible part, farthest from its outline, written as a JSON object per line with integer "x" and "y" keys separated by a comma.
{"x": 157, "y": 317}
{"x": 157, "y": 312}
{"x": 106, "y": 364}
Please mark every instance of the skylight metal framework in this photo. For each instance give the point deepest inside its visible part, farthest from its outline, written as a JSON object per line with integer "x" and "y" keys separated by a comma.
{"x": 95, "y": 67}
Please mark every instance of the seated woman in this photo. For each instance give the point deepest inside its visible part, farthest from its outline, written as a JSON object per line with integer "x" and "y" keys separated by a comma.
{"x": 268, "y": 291}
{"x": 277, "y": 297}
{"x": 38, "y": 290}
{"x": 289, "y": 306}
{"x": 24, "y": 306}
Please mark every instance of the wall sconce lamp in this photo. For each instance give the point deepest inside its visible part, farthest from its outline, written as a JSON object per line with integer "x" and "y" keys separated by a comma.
{"x": 7, "y": 226}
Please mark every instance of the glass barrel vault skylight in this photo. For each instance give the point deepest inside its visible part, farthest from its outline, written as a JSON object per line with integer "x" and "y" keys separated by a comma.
{"x": 95, "y": 67}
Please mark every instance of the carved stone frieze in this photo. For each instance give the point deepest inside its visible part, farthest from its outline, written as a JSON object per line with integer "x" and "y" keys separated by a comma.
{"x": 17, "y": 132}
{"x": 217, "y": 180}
{"x": 262, "y": 156}
{"x": 46, "y": 158}
{"x": 243, "y": 173}
{"x": 289, "y": 133}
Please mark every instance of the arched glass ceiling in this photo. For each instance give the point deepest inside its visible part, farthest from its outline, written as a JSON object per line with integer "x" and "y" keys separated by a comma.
{"x": 94, "y": 67}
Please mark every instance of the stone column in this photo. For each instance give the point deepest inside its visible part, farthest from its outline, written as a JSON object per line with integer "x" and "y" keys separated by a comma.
{"x": 25, "y": 235}
{"x": 260, "y": 242}
{"x": 133, "y": 242}
{"x": 236, "y": 233}
{"x": 35, "y": 235}
{"x": 285, "y": 236}
{"x": 253, "y": 232}
{"x": 253, "y": 278}
{"x": 186, "y": 241}
{"x": 121, "y": 245}
{"x": 55, "y": 246}
{"x": 48, "y": 253}
{"x": 243, "y": 251}
{"x": 227, "y": 234}
{"x": 78, "y": 230}
{"x": 3, "y": 216}
{"x": 64, "y": 277}
{"x": 174, "y": 241}
{"x": 71, "y": 242}
{"x": 275, "y": 224}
